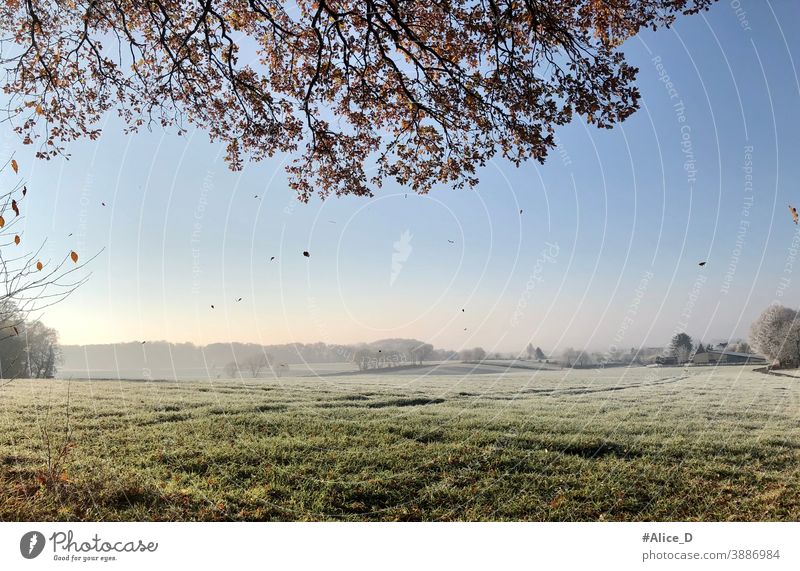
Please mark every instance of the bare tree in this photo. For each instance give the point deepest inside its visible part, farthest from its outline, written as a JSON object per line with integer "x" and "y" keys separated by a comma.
{"x": 257, "y": 363}
{"x": 30, "y": 282}
{"x": 42, "y": 350}
{"x": 776, "y": 334}
{"x": 741, "y": 346}
{"x": 584, "y": 358}
{"x": 232, "y": 370}
{"x": 363, "y": 358}
{"x": 421, "y": 353}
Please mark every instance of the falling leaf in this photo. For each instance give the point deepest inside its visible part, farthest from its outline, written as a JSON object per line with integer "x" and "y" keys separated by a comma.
{"x": 143, "y": 342}
{"x": 14, "y": 207}
{"x": 793, "y": 210}
{"x": 2, "y": 221}
{"x": 16, "y": 331}
{"x": 39, "y": 266}
{"x": 14, "y": 165}
{"x": 272, "y": 258}
{"x": 103, "y": 203}
{"x": 212, "y": 307}
{"x": 520, "y": 210}
{"x": 238, "y": 300}
{"x": 306, "y": 254}
{"x": 74, "y": 256}
{"x": 451, "y": 241}
{"x": 701, "y": 264}
{"x": 16, "y": 239}
{"x": 24, "y": 190}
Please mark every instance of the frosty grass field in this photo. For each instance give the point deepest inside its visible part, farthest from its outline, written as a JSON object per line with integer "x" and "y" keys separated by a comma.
{"x": 614, "y": 444}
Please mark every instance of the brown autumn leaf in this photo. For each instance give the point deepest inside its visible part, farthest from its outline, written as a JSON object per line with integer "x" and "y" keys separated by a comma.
{"x": 39, "y": 266}
{"x": 14, "y": 207}
{"x": 793, "y": 210}
{"x": 16, "y": 239}
{"x": 2, "y": 221}
{"x": 14, "y": 165}
{"x": 74, "y": 256}
{"x": 557, "y": 500}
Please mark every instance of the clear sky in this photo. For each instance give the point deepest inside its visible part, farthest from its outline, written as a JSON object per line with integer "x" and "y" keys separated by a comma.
{"x": 604, "y": 254}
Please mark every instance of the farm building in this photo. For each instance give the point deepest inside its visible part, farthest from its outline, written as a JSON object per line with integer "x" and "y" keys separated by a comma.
{"x": 712, "y": 357}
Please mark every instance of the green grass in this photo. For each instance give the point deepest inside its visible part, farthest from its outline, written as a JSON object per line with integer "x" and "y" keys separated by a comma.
{"x": 638, "y": 444}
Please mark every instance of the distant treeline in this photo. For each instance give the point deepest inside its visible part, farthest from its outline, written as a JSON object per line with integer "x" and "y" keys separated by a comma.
{"x": 164, "y": 355}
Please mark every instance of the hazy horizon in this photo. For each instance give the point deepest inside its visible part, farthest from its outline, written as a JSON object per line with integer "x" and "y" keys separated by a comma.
{"x": 521, "y": 350}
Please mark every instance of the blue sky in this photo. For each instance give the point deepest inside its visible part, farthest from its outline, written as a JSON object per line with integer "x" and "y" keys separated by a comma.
{"x": 620, "y": 220}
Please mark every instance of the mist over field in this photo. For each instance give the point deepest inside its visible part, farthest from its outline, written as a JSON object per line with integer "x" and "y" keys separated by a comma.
{"x": 163, "y": 360}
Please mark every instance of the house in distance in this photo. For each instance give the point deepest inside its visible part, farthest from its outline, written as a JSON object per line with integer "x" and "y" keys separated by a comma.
{"x": 724, "y": 357}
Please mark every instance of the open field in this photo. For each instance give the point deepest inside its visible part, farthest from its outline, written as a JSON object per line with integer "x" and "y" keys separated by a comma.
{"x": 615, "y": 444}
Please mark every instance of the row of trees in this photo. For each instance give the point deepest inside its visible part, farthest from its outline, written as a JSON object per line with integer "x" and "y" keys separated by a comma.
{"x": 476, "y": 354}
{"x": 572, "y": 357}
{"x": 165, "y": 355}
{"x": 682, "y": 347}
{"x": 396, "y": 353}
{"x": 536, "y": 353}
{"x": 365, "y": 357}
{"x": 255, "y": 365}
